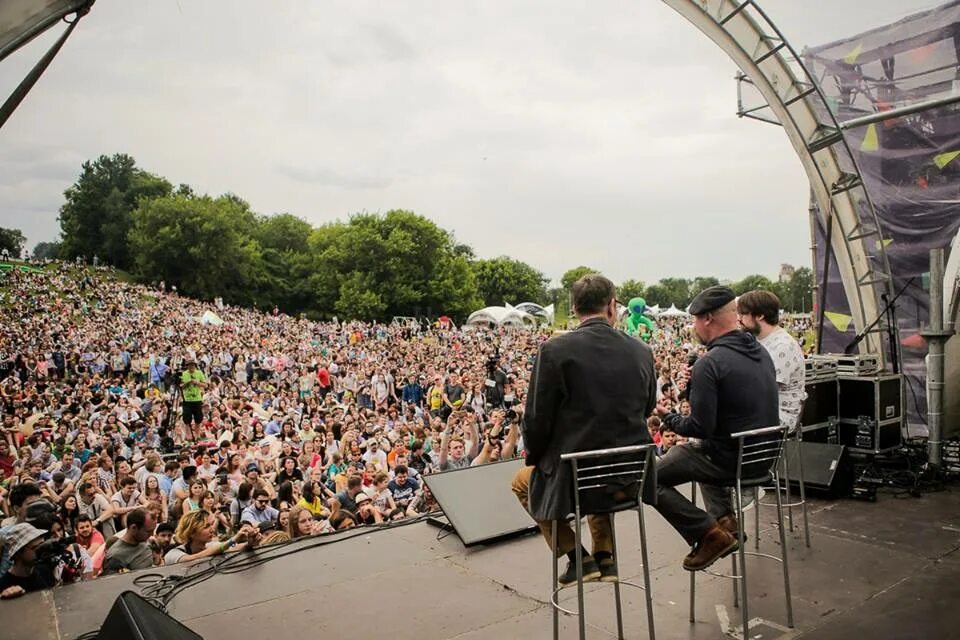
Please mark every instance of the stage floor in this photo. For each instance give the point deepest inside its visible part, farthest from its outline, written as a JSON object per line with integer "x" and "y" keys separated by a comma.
{"x": 880, "y": 571}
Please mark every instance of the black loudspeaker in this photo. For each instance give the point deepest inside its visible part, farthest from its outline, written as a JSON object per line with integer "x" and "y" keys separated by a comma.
{"x": 826, "y": 467}
{"x": 133, "y": 618}
{"x": 479, "y": 503}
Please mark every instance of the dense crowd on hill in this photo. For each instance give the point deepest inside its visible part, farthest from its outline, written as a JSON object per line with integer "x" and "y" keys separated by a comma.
{"x": 154, "y": 429}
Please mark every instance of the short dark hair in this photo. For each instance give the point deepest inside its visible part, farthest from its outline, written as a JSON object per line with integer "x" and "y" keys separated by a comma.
{"x": 127, "y": 481}
{"x": 137, "y": 517}
{"x": 355, "y": 481}
{"x": 260, "y": 493}
{"x": 165, "y": 527}
{"x": 84, "y": 518}
{"x": 760, "y": 302}
{"x": 400, "y": 468}
{"x": 22, "y": 491}
{"x": 592, "y": 293}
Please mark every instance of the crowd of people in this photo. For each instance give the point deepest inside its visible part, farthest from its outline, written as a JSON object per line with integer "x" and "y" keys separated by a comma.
{"x": 138, "y": 431}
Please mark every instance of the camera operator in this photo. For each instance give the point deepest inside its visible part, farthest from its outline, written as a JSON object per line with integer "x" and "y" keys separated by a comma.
{"x": 192, "y": 384}
{"x": 22, "y": 541}
{"x": 495, "y": 382}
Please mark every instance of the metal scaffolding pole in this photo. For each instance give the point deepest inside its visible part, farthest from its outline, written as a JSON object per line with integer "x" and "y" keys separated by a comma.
{"x": 900, "y": 111}
{"x": 936, "y": 337}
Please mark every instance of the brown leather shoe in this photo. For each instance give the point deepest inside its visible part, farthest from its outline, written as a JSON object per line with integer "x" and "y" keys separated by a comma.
{"x": 716, "y": 543}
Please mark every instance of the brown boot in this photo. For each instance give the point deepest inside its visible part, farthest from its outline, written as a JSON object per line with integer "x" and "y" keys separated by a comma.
{"x": 729, "y": 522}
{"x": 716, "y": 543}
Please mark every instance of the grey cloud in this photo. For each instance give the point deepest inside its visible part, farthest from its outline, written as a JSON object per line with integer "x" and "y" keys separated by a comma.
{"x": 319, "y": 176}
{"x": 557, "y": 131}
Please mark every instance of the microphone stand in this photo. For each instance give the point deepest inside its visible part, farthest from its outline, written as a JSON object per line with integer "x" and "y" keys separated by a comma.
{"x": 889, "y": 312}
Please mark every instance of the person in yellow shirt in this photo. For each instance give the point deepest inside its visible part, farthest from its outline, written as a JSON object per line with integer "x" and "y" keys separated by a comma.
{"x": 310, "y": 500}
{"x": 435, "y": 396}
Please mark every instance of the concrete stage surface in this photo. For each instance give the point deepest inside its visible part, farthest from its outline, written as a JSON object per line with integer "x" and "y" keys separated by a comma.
{"x": 876, "y": 571}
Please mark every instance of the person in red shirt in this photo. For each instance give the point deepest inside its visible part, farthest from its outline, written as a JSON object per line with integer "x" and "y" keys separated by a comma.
{"x": 323, "y": 381}
{"x": 87, "y": 536}
{"x": 7, "y": 460}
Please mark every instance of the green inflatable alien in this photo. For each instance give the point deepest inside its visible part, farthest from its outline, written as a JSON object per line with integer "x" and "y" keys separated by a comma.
{"x": 636, "y": 319}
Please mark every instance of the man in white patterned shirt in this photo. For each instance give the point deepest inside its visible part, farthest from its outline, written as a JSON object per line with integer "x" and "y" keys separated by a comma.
{"x": 759, "y": 313}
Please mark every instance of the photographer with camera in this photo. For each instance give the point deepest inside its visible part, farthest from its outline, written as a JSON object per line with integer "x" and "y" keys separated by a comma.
{"x": 453, "y": 449}
{"x": 22, "y": 541}
{"x": 192, "y": 384}
{"x": 496, "y": 381}
{"x": 500, "y": 442}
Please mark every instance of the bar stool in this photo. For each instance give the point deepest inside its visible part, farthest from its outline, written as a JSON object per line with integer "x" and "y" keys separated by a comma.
{"x": 758, "y": 457}
{"x": 797, "y": 433}
{"x": 594, "y": 471}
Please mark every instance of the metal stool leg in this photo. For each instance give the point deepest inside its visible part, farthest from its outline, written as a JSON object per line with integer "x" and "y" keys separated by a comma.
{"x": 556, "y": 578}
{"x": 783, "y": 557}
{"x": 579, "y": 556}
{"x": 743, "y": 561}
{"x": 616, "y": 564}
{"x": 786, "y": 483}
{"x": 733, "y": 572}
{"x": 803, "y": 492}
{"x": 647, "y": 591}
{"x": 756, "y": 519}
{"x": 693, "y": 574}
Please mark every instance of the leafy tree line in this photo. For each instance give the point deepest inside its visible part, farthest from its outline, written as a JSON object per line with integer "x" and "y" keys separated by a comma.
{"x": 372, "y": 266}
{"x": 796, "y": 294}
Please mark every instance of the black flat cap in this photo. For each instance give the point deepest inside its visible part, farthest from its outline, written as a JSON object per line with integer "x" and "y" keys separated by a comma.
{"x": 710, "y": 299}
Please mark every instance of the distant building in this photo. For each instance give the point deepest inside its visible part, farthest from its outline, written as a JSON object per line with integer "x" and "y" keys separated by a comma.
{"x": 786, "y": 272}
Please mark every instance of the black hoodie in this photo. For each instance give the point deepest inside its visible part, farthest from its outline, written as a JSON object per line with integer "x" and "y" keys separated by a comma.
{"x": 732, "y": 388}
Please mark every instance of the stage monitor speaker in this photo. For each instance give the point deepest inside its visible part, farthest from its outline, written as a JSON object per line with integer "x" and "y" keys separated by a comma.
{"x": 133, "y": 618}
{"x": 826, "y": 467}
{"x": 479, "y": 503}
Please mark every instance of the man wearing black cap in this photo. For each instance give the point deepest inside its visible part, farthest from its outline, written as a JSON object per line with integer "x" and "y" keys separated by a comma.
{"x": 732, "y": 388}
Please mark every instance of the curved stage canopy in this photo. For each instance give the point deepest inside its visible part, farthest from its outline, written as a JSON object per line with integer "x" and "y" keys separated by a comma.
{"x": 745, "y": 33}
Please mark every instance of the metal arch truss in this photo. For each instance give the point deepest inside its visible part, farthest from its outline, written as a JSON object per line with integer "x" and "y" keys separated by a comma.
{"x": 757, "y": 46}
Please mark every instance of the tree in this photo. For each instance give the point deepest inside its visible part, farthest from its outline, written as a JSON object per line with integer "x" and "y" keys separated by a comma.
{"x": 46, "y": 250}
{"x": 630, "y": 289}
{"x": 396, "y": 264}
{"x": 752, "y": 282}
{"x": 284, "y": 232}
{"x": 197, "y": 245}
{"x": 573, "y": 275}
{"x": 700, "y": 283}
{"x": 504, "y": 279}
{"x": 796, "y": 294}
{"x": 12, "y": 242}
{"x": 670, "y": 291}
{"x": 96, "y": 217}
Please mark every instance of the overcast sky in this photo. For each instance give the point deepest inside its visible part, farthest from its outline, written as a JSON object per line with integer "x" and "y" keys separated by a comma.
{"x": 561, "y": 133}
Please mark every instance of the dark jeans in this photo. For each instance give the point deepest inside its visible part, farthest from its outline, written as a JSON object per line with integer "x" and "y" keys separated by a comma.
{"x": 680, "y": 465}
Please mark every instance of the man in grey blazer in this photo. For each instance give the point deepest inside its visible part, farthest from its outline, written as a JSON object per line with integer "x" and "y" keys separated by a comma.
{"x": 591, "y": 388}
